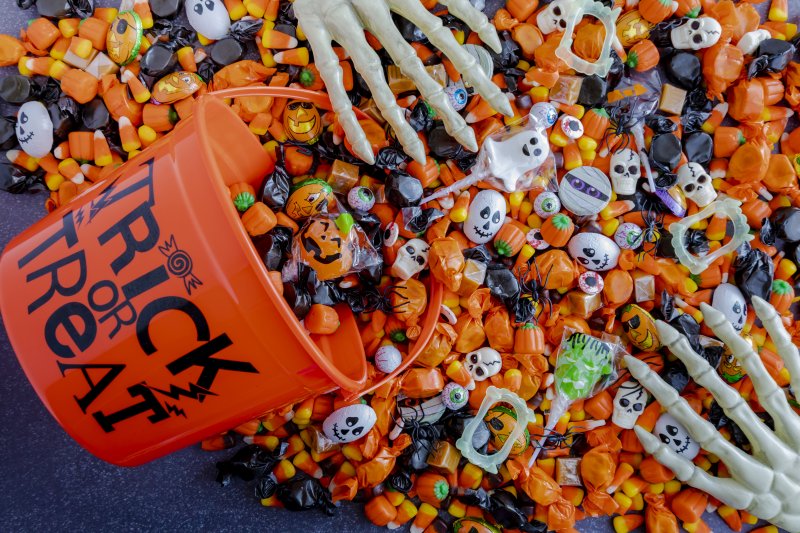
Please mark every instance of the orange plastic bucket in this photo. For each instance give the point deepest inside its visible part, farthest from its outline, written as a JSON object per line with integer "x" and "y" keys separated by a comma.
{"x": 142, "y": 314}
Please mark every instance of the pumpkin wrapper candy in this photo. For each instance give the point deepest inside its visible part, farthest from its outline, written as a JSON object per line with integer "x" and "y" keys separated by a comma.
{"x": 516, "y": 158}
{"x": 585, "y": 365}
{"x": 333, "y": 246}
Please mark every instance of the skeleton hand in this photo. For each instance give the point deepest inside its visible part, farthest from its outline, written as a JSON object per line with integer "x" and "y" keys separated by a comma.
{"x": 342, "y": 21}
{"x": 767, "y": 483}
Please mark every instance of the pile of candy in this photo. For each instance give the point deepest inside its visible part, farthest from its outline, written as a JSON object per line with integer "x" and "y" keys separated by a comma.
{"x": 611, "y": 196}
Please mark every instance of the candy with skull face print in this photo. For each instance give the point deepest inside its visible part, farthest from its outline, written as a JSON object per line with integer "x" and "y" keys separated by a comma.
{"x": 696, "y": 185}
{"x": 675, "y": 436}
{"x": 388, "y": 358}
{"x": 594, "y": 251}
{"x": 412, "y": 257}
{"x": 34, "y": 129}
{"x": 553, "y": 17}
{"x": 730, "y": 300}
{"x": 483, "y": 363}
{"x": 547, "y": 204}
{"x": 584, "y": 191}
{"x": 349, "y": 423}
{"x": 696, "y": 34}
{"x": 209, "y": 18}
{"x": 629, "y": 236}
{"x": 486, "y": 214}
{"x": 625, "y": 171}
{"x": 629, "y": 403}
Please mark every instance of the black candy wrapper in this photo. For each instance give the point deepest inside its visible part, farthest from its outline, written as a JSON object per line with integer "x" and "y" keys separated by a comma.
{"x": 753, "y": 272}
{"x": 247, "y": 463}
{"x": 302, "y": 493}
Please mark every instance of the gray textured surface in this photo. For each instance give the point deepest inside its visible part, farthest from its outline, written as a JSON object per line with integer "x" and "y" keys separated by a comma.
{"x": 48, "y": 481}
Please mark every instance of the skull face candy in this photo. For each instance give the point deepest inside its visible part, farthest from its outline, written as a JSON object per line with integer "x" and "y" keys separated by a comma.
{"x": 349, "y": 423}
{"x": 412, "y": 257}
{"x": 34, "y": 129}
{"x": 629, "y": 403}
{"x": 696, "y": 34}
{"x": 695, "y": 183}
{"x": 552, "y": 18}
{"x": 625, "y": 171}
{"x": 730, "y": 301}
{"x": 483, "y": 363}
{"x": 675, "y": 436}
{"x": 594, "y": 251}
{"x": 487, "y": 212}
{"x": 209, "y": 18}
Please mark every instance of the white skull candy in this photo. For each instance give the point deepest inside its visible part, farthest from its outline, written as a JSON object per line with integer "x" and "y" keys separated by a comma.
{"x": 552, "y": 18}
{"x": 696, "y": 34}
{"x": 412, "y": 257}
{"x": 675, "y": 436}
{"x": 625, "y": 171}
{"x": 629, "y": 403}
{"x": 209, "y": 18}
{"x": 486, "y": 214}
{"x": 730, "y": 301}
{"x": 509, "y": 158}
{"x": 695, "y": 183}
{"x": 34, "y": 129}
{"x": 483, "y": 363}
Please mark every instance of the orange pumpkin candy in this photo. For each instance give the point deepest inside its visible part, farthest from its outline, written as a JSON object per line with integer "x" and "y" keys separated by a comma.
{"x": 325, "y": 248}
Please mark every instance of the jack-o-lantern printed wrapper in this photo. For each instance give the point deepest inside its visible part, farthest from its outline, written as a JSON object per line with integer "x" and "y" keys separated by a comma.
{"x": 333, "y": 246}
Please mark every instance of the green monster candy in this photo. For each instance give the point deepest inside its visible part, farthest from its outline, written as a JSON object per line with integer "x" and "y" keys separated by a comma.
{"x": 582, "y": 363}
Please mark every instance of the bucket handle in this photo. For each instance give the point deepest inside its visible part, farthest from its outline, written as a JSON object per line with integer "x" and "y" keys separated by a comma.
{"x": 436, "y": 295}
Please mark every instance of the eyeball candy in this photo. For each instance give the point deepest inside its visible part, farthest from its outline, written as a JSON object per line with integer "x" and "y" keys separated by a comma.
{"x": 34, "y": 129}
{"x": 629, "y": 236}
{"x": 486, "y": 214}
{"x": 585, "y": 191}
{"x": 388, "y": 358}
{"x": 457, "y": 95}
{"x": 361, "y": 198}
{"x": 209, "y": 18}
{"x": 546, "y": 113}
{"x": 349, "y": 423}
{"x": 571, "y": 127}
{"x": 454, "y": 396}
{"x": 594, "y": 251}
{"x": 535, "y": 239}
{"x": 591, "y": 282}
{"x": 390, "y": 234}
{"x": 547, "y": 204}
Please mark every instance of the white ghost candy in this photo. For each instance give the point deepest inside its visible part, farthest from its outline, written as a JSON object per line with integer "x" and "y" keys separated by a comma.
{"x": 730, "y": 301}
{"x": 483, "y": 363}
{"x": 486, "y": 214}
{"x": 412, "y": 257}
{"x": 34, "y": 129}
{"x": 388, "y": 358}
{"x": 629, "y": 403}
{"x": 584, "y": 191}
{"x": 625, "y": 170}
{"x": 349, "y": 423}
{"x": 594, "y": 251}
{"x": 509, "y": 158}
{"x": 209, "y": 18}
{"x": 675, "y": 436}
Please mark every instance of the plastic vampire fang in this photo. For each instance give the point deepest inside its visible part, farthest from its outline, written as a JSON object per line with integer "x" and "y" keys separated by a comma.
{"x": 523, "y": 415}
{"x": 324, "y": 21}
{"x": 578, "y": 9}
{"x": 765, "y": 483}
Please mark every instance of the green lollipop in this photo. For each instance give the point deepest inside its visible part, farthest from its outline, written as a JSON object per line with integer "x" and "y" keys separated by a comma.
{"x": 582, "y": 363}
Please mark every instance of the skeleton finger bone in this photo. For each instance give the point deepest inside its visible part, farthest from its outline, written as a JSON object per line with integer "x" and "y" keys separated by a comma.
{"x": 764, "y": 442}
{"x": 476, "y": 21}
{"x": 770, "y": 396}
{"x": 742, "y": 467}
{"x": 782, "y": 340}
{"x": 345, "y": 28}
{"x": 378, "y": 20}
{"x": 327, "y": 63}
{"x": 443, "y": 39}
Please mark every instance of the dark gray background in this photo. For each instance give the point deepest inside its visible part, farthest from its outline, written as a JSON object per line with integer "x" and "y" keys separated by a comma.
{"x": 48, "y": 481}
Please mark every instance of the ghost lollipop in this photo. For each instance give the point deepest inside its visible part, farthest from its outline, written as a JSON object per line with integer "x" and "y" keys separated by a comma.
{"x": 506, "y": 159}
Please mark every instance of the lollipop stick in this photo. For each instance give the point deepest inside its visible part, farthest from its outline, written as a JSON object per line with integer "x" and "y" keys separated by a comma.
{"x": 460, "y": 185}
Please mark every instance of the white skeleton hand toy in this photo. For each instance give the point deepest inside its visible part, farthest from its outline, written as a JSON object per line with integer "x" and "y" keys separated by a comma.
{"x": 767, "y": 483}
{"x": 342, "y": 21}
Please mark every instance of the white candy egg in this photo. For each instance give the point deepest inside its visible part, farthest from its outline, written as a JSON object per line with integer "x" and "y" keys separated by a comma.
{"x": 594, "y": 251}
{"x": 349, "y": 423}
{"x": 209, "y": 18}
{"x": 388, "y": 358}
{"x": 34, "y": 129}
{"x": 486, "y": 214}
